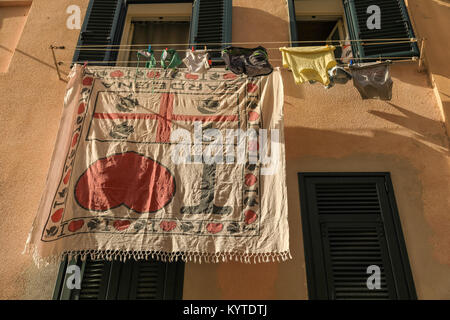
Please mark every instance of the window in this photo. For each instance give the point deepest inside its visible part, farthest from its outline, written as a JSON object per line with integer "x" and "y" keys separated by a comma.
{"x": 312, "y": 19}
{"x": 115, "y": 280}
{"x": 350, "y": 222}
{"x": 13, "y": 16}
{"x": 319, "y": 20}
{"x": 109, "y": 23}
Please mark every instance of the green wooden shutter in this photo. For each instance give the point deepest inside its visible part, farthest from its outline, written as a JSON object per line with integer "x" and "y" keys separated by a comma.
{"x": 101, "y": 26}
{"x": 350, "y": 222}
{"x": 292, "y": 23}
{"x": 211, "y": 23}
{"x": 395, "y": 23}
{"x": 130, "y": 280}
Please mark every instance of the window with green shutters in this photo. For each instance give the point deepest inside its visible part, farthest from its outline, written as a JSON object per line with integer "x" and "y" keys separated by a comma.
{"x": 104, "y": 22}
{"x": 350, "y": 222}
{"x": 395, "y": 24}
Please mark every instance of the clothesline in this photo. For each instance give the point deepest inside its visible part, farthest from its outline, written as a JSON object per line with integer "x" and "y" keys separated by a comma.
{"x": 134, "y": 62}
{"x": 209, "y": 50}
{"x": 391, "y": 40}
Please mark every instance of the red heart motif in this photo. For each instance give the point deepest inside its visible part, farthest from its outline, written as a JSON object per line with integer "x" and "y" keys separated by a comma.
{"x": 214, "y": 227}
{"x": 81, "y": 108}
{"x": 250, "y": 216}
{"x": 153, "y": 74}
{"x": 191, "y": 76}
{"x": 253, "y": 116}
{"x": 229, "y": 76}
{"x": 88, "y": 81}
{"x": 121, "y": 225}
{"x": 67, "y": 177}
{"x": 128, "y": 179}
{"x": 168, "y": 225}
{"x": 116, "y": 74}
{"x": 75, "y": 139}
{"x": 75, "y": 225}
{"x": 250, "y": 179}
{"x": 57, "y": 215}
{"x": 251, "y": 87}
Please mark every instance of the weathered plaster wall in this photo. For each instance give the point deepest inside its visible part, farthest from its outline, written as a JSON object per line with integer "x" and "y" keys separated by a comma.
{"x": 326, "y": 130}
{"x": 12, "y": 20}
{"x": 334, "y": 130}
{"x": 31, "y": 98}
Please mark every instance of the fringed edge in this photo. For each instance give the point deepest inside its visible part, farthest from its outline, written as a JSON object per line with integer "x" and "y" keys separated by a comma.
{"x": 123, "y": 255}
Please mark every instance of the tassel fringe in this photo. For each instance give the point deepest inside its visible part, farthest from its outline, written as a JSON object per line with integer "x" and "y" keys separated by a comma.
{"x": 124, "y": 255}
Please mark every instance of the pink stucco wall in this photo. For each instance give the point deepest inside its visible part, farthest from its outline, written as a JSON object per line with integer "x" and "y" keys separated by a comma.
{"x": 325, "y": 130}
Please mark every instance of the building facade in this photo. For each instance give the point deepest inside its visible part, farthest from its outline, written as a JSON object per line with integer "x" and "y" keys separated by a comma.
{"x": 329, "y": 134}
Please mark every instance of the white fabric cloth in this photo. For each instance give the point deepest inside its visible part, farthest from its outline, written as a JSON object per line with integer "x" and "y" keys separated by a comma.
{"x": 197, "y": 61}
{"x": 117, "y": 188}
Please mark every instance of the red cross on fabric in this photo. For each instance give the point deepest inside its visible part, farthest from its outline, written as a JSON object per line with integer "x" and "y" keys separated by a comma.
{"x": 165, "y": 117}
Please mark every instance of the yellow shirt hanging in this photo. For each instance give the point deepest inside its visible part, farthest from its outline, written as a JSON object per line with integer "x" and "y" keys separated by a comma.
{"x": 309, "y": 63}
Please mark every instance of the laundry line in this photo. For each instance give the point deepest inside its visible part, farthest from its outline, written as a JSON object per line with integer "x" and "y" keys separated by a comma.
{"x": 400, "y": 59}
{"x": 248, "y": 43}
{"x": 212, "y": 50}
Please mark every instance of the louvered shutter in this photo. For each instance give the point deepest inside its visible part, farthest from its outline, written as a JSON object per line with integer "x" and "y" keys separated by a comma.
{"x": 211, "y": 24}
{"x": 292, "y": 23}
{"x": 395, "y": 24}
{"x": 95, "y": 279}
{"x": 134, "y": 280}
{"x": 350, "y": 223}
{"x": 103, "y": 20}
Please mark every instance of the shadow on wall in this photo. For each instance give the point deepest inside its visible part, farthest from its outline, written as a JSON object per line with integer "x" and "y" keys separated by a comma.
{"x": 8, "y": 11}
{"x": 417, "y": 123}
{"x": 431, "y": 18}
{"x": 36, "y": 59}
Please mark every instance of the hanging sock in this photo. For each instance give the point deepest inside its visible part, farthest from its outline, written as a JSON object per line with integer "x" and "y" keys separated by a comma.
{"x": 309, "y": 63}
{"x": 338, "y": 75}
{"x": 252, "y": 62}
{"x": 197, "y": 61}
{"x": 170, "y": 59}
{"x": 373, "y": 80}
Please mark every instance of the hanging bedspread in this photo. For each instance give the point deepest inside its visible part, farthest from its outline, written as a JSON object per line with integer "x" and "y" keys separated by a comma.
{"x": 164, "y": 164}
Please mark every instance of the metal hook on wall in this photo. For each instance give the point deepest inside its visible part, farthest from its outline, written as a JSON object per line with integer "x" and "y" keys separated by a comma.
{"x": 57, "y": 64}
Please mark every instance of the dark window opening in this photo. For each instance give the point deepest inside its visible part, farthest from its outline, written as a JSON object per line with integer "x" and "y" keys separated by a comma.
{"x": 327, "y": 30}
{"x": 158, "y": 32}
